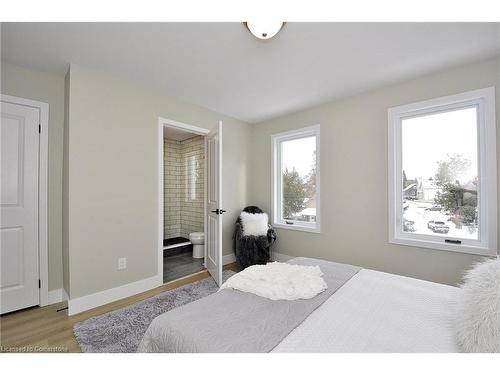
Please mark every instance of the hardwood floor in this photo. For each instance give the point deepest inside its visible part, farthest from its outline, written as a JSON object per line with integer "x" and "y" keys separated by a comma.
{"x": 45, "y": 329}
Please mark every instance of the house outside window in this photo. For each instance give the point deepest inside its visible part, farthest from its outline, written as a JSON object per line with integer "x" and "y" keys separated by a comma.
{"x": 296, "y": 179}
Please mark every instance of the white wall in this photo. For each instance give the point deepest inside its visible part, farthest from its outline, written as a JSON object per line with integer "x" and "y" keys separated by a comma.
{"x": 354, "y": 176}
{"x": 47, "y": 88}
{"x": 110, "y": 190}
{"x": 112, "y": 182}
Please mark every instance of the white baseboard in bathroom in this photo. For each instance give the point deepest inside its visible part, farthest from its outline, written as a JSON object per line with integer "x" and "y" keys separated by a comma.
{"x": 80, "y": 304}
{"x": 176, "y": 245}
{"x": 229, "y": 258}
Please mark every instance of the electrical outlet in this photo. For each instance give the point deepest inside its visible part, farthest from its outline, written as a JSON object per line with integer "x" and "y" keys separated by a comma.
{"x": 122, "y": 263}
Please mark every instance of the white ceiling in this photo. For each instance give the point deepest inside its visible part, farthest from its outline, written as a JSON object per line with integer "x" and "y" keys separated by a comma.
{"x": 221, "y": 66}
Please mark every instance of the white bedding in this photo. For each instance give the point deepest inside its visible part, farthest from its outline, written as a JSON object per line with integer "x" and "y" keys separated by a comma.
{"x": 379, "y": 312}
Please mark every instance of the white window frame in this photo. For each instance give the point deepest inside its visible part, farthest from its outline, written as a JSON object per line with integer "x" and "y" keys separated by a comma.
{"x": 484, "y": 100}
{"x": 277, "y": 177}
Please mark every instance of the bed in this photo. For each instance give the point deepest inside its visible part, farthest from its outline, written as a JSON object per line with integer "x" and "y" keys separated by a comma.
{"x": 361, "y": 311}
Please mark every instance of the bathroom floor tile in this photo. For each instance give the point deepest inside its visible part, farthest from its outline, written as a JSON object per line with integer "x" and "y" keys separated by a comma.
{"x": 176, "y": 266}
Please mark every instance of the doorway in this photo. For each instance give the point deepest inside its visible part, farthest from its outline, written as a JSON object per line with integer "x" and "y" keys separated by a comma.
{"x": 23, "y": 203}
{"x": 185, "y": 184}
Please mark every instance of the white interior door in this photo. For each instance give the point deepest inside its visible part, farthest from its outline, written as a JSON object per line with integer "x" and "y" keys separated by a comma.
{"x": 19, "y": 284}
{"x": 213, "y": 255}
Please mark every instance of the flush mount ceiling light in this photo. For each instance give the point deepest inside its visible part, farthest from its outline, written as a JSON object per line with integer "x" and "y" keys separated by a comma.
{"x": 264, "y": 29}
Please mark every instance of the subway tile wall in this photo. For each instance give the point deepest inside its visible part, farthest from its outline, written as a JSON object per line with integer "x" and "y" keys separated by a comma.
{"x": 183, "y": 188}
{"x": 192, "y": 190}
{"x": 172, "y": 187}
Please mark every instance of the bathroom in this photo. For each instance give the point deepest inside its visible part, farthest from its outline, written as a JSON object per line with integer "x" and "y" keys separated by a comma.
{"x": 184, "y": 195}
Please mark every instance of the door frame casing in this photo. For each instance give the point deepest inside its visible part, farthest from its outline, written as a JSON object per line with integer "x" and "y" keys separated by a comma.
{"x": 43, "y": 157}
{"x": 163, "y": 123}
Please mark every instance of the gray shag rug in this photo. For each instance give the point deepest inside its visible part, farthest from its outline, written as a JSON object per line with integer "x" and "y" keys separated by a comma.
{"x": 121, "y": 331}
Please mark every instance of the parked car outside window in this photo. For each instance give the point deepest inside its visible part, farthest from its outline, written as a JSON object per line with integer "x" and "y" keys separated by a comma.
{"x": 438, "y": 226}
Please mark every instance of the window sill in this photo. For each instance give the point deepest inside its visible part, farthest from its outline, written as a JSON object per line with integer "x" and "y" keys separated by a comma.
{"x": 435, "y": 245}
{"x": 296, "y": 227}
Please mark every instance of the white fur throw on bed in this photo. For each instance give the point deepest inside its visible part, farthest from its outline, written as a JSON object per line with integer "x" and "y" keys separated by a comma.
{"x": 279, "y": 281}
{"x": 254, "y": 224}
{"x": 478, "y": 320}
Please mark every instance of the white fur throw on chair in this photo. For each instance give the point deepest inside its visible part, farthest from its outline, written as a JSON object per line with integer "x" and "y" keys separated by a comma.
{"x": 254, "y": 224}
{"x": 478, "y": 320}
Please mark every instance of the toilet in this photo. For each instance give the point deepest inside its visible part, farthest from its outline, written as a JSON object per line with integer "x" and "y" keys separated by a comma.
{"x": 198, "y": 240}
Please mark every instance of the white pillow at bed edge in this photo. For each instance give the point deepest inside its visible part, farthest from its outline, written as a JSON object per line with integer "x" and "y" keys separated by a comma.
{"x": 478, "y": 313}
{"x": 254, "y": 224}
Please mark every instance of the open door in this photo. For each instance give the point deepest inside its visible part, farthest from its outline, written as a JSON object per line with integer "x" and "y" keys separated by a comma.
{"x": 214, "y": 211}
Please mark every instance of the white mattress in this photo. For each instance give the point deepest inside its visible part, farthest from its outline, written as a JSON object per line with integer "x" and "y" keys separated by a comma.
{"x": 379, "y": 312}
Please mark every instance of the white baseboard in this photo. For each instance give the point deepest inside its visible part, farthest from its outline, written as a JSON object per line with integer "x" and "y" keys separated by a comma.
{"x": 80, "y": 304}
{"x": 278, "y": 257}
{"x": 229, "y": 258}
{"x": 56, "y": 296}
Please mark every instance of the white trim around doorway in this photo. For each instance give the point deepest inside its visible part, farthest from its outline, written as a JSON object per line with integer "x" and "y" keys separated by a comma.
{"x": 162, "y": 123}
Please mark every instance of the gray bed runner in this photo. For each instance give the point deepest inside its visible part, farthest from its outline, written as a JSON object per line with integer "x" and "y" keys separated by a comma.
{"x": 234, "y": 321}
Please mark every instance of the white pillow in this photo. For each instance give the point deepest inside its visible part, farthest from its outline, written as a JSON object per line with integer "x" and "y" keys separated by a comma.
{"x": 254, "y": 224}
{"x": 478, "y": 319}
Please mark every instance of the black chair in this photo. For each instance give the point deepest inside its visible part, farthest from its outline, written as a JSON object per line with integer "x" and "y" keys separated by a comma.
{"x": 250, "y": 250}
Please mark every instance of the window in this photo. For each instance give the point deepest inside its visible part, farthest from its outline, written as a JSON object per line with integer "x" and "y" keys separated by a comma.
{"x": 442, "y": 173}
{"x": 295, "y": 178}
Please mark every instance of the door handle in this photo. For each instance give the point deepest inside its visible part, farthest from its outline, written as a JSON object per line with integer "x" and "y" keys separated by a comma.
{"x": 218, "y": 211}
